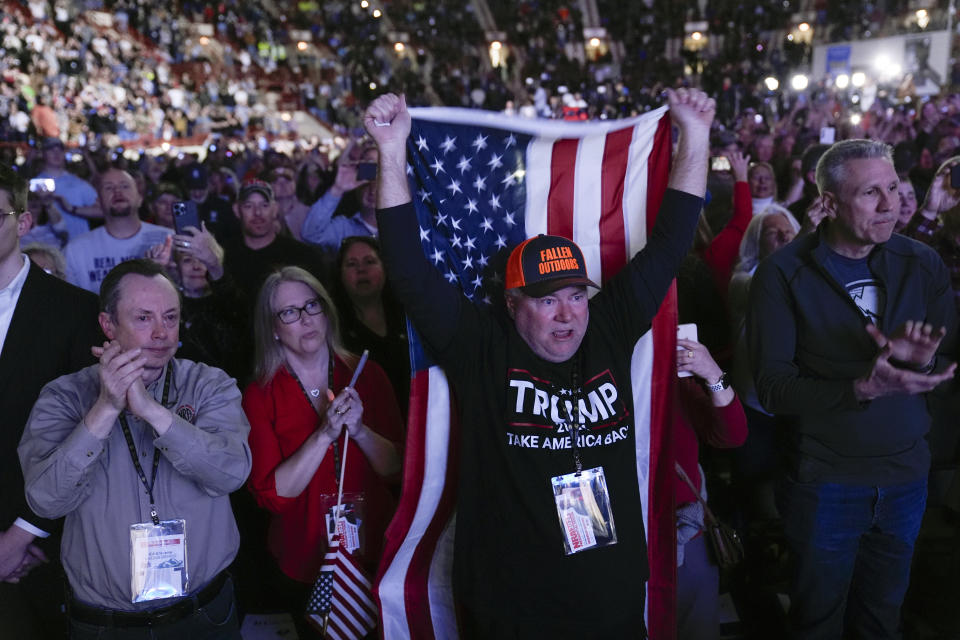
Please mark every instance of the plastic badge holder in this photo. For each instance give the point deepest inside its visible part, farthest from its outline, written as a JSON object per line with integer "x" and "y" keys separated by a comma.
{"x": 583, "y": 508}
{"x": 350, "y": 524}
{"x": 158, "y": 560}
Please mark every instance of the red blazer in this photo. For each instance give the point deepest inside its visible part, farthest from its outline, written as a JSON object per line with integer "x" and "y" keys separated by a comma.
{"x": 281, "y": 419}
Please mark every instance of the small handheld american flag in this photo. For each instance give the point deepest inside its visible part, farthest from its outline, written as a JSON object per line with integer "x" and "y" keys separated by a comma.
{"x": 341, "y": 605}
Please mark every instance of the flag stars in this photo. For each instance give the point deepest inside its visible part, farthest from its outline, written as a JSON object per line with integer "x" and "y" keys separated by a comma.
{"x": 437, "y": 256}
{"x": 424, "y": 195}
{"x": 422, "y": 144}
{"x": 451, "y": 277}
{"x": 471, "y": 206}
{"x": 471, "y": 243}
{"x": 456, "y": 223}
{"x": 508, "y": 217}
{"x": 496, "y": 161}
{"x": 487, "y": 225}
{"x": 464, "y": 164}
{"x": 441, "y": 219}
{"x": 483, "y": 260}
{"x": 480, "y": 142}
{"x": 448, "y": 144}
{"x": 456, "y": 242}
{"x": 467, "y": 262}
{"x": 454, "y": 188}
{"x": 511, "y": 140}
{"x": 480, "y": 184}
{"x": 424, "y": 235}
{"x": 494, "y": 202}
{"x": 501, "y": 242}
{"x": 477, "y": 282}
{"x": 437, "y": 167}
{"x": 509, "y": 180}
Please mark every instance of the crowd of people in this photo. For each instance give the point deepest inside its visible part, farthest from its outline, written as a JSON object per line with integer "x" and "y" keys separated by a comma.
{"x": 244, "y": 274}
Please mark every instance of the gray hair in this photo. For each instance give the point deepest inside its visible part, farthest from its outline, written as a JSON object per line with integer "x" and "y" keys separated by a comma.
{"x": 832, "y": 167}
{"x": 52, "y": 253}
{"x": 750, "y": 244}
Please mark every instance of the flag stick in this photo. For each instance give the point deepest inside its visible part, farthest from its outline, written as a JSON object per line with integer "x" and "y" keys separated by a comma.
{"x": 346, "y": 437}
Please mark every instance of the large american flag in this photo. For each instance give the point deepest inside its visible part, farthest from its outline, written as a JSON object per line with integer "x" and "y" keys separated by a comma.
{"x": 341, "y": 603}
{"x": 481, "y": 183}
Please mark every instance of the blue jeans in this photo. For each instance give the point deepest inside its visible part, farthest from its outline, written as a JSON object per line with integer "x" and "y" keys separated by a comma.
{"x": 852, "y": 546}
{"x": 698, "y": 593}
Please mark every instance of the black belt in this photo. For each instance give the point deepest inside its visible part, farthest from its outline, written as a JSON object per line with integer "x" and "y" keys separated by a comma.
{"x": 183, "y": 608}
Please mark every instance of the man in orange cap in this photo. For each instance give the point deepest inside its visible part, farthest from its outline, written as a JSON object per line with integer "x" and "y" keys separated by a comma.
{"x": 550, "y": 535}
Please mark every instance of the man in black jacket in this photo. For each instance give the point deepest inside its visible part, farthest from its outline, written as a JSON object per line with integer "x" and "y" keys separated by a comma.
{"x": 847, "y": 328}
{"x": 46, "y": 330}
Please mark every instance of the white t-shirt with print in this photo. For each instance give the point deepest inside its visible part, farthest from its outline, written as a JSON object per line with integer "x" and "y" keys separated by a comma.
{"x": 91, "y": 256}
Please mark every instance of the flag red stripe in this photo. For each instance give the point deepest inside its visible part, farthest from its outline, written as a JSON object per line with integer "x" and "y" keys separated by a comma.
{"x": 414, "y": 465}
{"x": 613, "y": 245}
{"x": 661, "y": 538}
{"x": 658, "y": 170}
{"x": 358, "y": 603}
{"x": 563, "y": 163}
{"x": 415, "y": 582}
{"x": 340, "y": 626}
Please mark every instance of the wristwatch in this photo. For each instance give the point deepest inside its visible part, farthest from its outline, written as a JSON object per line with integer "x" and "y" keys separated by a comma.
{"x": 719, "y": 385}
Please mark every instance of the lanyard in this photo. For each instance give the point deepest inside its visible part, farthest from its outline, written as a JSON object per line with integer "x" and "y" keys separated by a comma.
{"x": 574, "y": 417}
{"x": 156, "y": 452}
{"x": 336, "y": 444}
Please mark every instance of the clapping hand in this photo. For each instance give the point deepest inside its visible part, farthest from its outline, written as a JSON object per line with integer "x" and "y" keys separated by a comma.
{"x": 161, "y": 253}
{"x": 118, "y": 370}
{"x": 914, "y": 344}
{"x": 903, "y": 355}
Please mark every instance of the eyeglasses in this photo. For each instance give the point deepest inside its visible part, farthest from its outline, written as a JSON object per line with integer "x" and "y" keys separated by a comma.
{"x": 289, "y": 315}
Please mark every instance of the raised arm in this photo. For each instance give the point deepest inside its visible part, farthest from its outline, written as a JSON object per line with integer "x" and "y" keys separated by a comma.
{"x": 388, "y": 123}
{"x": 692, "y": 113}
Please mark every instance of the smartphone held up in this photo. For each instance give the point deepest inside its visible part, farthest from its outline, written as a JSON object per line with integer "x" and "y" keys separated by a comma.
{"x": 185, "y": 215}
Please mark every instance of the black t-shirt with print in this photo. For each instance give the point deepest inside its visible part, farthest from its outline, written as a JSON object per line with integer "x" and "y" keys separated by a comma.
{"x": 509, "y": 556}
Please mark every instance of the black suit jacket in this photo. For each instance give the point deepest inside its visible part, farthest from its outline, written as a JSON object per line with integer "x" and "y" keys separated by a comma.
{"x": 51, "y": 332}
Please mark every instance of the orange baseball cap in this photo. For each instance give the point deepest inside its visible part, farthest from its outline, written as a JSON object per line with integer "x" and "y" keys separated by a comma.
{"x": 540, "y": 265}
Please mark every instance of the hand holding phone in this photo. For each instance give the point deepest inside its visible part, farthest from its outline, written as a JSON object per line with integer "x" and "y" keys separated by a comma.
{"x": 185, "y": 215}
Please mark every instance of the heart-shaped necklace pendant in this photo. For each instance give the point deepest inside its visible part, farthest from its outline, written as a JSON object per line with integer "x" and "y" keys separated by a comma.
{"x": 315, "y": 393}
